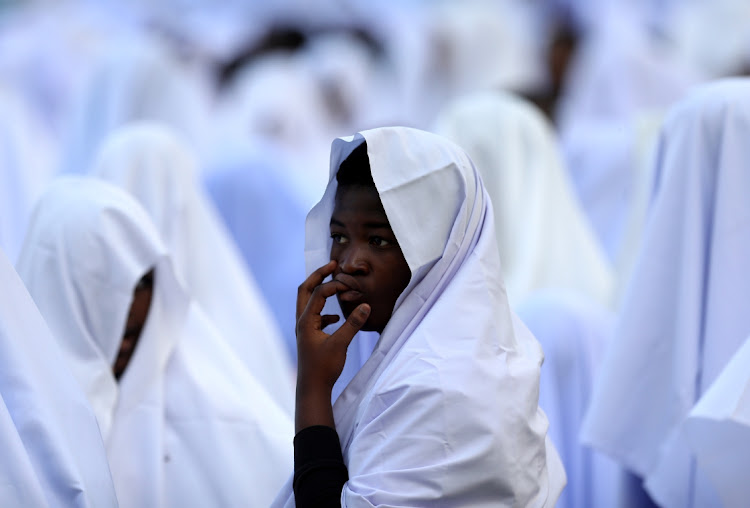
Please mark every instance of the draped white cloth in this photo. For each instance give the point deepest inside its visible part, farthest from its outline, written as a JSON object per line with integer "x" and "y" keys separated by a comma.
{"x": 573, "y": 332}
{"x": 187, "y": 425}
{"x": 158, "y": 169}
{"x": 52, "y": 452}
{"x": 718, "y": 430}
{"x": 138, "y": 78}
{"x": 26, "y": 154}
{"x": 266, "y": 218}
{"x": 445, "y": 409}
{"x": 543, "y": 234}
{"x": 618, "y": 73}
{"x": 685, "y": 312}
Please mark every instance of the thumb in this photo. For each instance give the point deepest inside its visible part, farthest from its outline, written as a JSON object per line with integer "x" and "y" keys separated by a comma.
{"x": 356, "y": 320}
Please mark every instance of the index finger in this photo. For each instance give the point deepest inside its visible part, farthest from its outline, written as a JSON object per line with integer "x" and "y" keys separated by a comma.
{"x": 314, "y": 280}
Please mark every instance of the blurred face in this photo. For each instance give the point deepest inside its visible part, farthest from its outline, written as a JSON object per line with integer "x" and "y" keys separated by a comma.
{"x": 369, "y": 259}
{"x": 135, "y": 323}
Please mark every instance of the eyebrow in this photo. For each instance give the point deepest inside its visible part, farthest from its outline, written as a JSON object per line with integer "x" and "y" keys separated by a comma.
{"x": 368, "y": 225}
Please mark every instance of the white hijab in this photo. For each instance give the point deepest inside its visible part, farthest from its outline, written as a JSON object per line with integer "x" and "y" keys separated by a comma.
{"x": 186, "y": 423}
{"x": 52, "y": 452}
{"x": 445, "y": 408}
{"x": 138, "y": 78}
{"x": 158, "y": 169}
{"x": 718, "y": 431}
{"x": 685, "y": 311}
{"x": 543, "y": 235}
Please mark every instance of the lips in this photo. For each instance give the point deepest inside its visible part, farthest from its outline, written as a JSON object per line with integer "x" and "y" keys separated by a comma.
{"x": 354, "y": 292}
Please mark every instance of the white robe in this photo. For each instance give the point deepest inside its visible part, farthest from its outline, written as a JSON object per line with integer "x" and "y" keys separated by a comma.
{"x": 158, "y": 169}
{"x": 718, "y": 431}
{"x": 544, "y": 237}
{"x": 52, "y": 452}
{"x": 186, "y": 425}
{"x": 685, "y": 312}
{"x": 445, "y": 409}
{"x": 573, "y": 332}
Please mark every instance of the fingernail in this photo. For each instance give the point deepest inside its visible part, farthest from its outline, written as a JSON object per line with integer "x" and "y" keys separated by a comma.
{"x": 364, "y": 309}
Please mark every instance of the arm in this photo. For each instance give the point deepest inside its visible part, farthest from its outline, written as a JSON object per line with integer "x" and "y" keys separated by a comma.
{"x": 319, "y": 471}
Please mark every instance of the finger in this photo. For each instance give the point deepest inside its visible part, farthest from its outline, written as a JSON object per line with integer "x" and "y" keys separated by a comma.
{"x": 318, "y": 299}
{"x": 356, "y": 320}
{"x": 328, "y": 320}
{"x": 304, "y": 291}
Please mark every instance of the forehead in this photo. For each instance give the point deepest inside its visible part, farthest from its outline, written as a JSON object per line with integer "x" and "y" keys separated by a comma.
{"x": 355, "y": 202}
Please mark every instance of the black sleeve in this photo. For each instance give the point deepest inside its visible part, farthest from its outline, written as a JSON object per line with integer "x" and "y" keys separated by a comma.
{"x": 319, "y": 469}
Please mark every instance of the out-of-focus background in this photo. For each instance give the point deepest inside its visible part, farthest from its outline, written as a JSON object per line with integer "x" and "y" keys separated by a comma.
{"x": 259, "y": 89}
{"x": 295, "y": 74}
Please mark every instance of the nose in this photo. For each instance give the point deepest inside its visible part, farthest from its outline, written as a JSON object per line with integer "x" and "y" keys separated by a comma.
{"x": 353, "y": 261}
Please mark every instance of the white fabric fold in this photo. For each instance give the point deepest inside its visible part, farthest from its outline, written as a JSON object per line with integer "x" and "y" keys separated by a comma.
{"x": 573, "y": 332}
{"x": 156, "y": 167}
{"x": 185, "y": 404}
{"x": 543, "y": 235}
{"x": 52, "y": 452}
{"x": 685, "y": 312}
{"x": 718, "y": 431}
{"x": 445, "y": 408}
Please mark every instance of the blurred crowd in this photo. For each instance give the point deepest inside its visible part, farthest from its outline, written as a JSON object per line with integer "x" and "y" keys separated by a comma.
{"x": 610, "y": 135}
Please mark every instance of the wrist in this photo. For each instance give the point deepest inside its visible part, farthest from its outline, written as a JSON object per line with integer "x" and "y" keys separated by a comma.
{"x": 313, "y": 406}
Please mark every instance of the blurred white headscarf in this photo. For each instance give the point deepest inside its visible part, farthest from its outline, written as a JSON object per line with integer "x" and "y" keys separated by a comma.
{"x": 445, "y": 410}
{"x": 543, "y": 235}
{"x": 52, "y": 452}
{"x": 685, "y": 312}
{"x": 186, "y": 424}
{"x": 137, "y": 78}
{"x": 156, "y": 167}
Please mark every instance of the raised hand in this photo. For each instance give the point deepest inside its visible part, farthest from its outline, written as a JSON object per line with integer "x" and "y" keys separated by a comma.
{"x": 321, "y": 356}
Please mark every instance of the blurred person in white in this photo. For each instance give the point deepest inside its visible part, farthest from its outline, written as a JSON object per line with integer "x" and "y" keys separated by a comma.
{"x": 138, "y": 77}
{"x": 52, "y": 452}
{"x": 161, "y": 172}
{"x": 183, "y": 422}
{"x": 543, "y": 235}
{"x": 26, "y": 166}
{"x": 275, "y": 100}
{"x": 445, "y": 409}
{"x": 573, "y": 332}
{"x": 619, "y": 84}
{"x": 718, "y": 431}
{"x": 685, "y": 311}
{"x": 266, "y": 219}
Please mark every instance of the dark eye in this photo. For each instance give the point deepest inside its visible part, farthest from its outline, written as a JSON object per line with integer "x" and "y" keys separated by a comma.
{"x": 338, "y": 238}
{"x": 379, "y": 241}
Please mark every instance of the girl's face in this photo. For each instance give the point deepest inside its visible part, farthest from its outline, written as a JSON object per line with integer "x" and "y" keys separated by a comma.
{"x": 369, "y": 259}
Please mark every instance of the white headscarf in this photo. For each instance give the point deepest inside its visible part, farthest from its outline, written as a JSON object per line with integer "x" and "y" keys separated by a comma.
{"x": 137, "y": 79}
{"x": 52, "y": 453}
{"x": 718, "y": 430}
{"x": 445, "y": 408}
{"x": 685, "y": 311}
{"x": 543, "y": 235}
{"x": 186, "y": 424}
{"x": 618, "y": 74}
{"x": 161, "y": 172}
